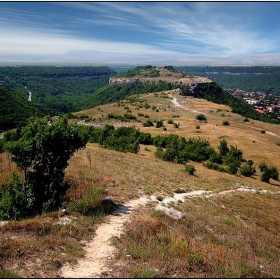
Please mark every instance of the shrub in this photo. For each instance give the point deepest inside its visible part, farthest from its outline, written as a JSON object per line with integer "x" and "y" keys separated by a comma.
{"x": 13, "y": 205}
{"x": 223, "y": 148}
{"x": 266, "y": 174}
{"x": 247, "y": 169}
{"x": 232, "y": 168}
{"x": 215, "y": 166}
{"x": 226, "y": 123}
{"x": 159, "y": 123}
{"x": 148, "y": 123}
{"x": 201, "y": 117}
{"x": 190, "y": 169}
{"x": 216, "y": 158}
{"x": 274, "y": 174}
{"x": 234, "y": 156}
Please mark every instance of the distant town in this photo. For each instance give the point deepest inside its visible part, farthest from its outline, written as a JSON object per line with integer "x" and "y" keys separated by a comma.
{"x": 263, "y": 103}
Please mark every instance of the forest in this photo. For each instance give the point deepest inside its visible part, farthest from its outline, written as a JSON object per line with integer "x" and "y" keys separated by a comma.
{"x": 56, "y": 90}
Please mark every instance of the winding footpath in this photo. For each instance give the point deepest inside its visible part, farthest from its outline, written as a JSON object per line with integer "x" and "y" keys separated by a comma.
{"x": 100, "y": 250}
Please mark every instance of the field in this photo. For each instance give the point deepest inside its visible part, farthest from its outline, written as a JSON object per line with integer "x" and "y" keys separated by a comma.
{"x": 232, "y": 232}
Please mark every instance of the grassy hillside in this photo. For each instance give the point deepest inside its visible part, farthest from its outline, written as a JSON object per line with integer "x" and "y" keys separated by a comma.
{"x": 213, "y": 92}
{"x": 230, "y": 232}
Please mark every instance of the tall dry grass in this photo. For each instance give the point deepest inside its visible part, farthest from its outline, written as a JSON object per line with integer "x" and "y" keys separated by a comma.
{"x": 217, "y": 239}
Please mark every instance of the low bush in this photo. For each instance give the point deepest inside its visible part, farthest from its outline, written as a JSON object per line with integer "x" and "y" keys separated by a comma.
{"x": 190, "y": 169}
{"x": 201, "y": 117}
{"x": 148, "y": 123}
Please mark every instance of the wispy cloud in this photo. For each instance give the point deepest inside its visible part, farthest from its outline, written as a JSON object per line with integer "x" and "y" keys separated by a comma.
{"x": 182, "y": 29}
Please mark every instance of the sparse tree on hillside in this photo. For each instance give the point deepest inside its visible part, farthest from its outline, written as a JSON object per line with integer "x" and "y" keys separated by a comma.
{"x": 42, "y": 151}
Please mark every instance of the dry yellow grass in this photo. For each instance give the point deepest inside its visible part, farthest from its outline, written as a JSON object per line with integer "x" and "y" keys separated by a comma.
{"x": 224, "y": 236}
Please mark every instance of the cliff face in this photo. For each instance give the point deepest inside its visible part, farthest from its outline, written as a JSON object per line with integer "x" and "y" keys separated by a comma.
{"x": 191, "y": 81}
{"x": 187, "y": 84}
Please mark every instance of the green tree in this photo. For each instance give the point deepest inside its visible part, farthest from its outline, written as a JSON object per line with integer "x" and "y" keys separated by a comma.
{"x": 42, "y": 151}
{"x": 223, "y": 148}
{"x": 274, "y": 174}
{"x": 265, "y": 176}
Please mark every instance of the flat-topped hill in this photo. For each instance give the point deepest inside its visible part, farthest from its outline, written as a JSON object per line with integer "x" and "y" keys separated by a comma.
{"x": 155, "y": 74}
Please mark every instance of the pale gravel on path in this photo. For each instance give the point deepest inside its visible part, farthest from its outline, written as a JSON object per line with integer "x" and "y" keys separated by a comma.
{"x": 99, "y": 250}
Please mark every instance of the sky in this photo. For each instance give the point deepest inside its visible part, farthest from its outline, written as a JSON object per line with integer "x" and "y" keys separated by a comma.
{"x": 156, "y": 33}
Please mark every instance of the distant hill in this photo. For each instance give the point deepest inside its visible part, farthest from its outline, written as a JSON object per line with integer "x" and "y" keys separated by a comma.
{"x": 213, "y": 92}
{"x": 145, "y": 79}
{"x": 14, "y": 109}
{"x": 142, "y": 79}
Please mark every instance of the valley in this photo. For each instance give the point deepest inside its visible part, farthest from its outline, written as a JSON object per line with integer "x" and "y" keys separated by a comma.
{"x": 164, "y": 221}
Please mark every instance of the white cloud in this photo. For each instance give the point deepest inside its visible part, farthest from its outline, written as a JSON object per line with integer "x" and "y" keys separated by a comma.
{"x": 26, "y": 41}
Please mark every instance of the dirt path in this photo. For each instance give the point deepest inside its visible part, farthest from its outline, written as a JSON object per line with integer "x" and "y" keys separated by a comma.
{"x": 99, "y": 250}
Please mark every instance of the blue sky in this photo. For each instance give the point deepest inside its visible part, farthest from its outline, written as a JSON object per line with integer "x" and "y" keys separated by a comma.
{"x": 158, "y": 33}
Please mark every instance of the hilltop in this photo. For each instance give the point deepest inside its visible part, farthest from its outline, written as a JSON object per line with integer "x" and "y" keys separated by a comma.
{"x": 155, "y": 74}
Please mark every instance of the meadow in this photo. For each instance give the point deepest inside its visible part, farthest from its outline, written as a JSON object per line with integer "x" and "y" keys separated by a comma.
{"x": 231, "y": 234}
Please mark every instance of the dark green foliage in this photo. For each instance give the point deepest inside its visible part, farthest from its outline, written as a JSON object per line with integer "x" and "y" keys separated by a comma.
{"x": 148, "y": 123}
{"x": 2, "y": 142}
{"x": 14, "y": 109}
{"x": 113, "y": 93}
{"x": 216, "y": 158}
{"x": 232, "y": 168}
{"x": 201, "y": 117}
{"x": 57, "y": 90}
{"x": 215, "y": 166}
{"x": 123, "y": 139}
{"x": 179, "y": 150}
{"x": 234, "y": 157}
{"x": 171, "y": 68}
{"x": 248, "y": 169}
{"x": 226, "y": 123}
{"x": 268, "y": 172}
{"x": 213, "y": 92}
{"x": 190, "y": 169}
{"x": 12, "y": 203}
{"x": 42, "y": 151}
{"x": 143, "y": 71}
{"x": 254, "y": 78}
{"x": 159, "y": 123}
{"x": 274, "y": 174}
{"x": 265, "y": 176}
{"x": 223, "y": 148}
